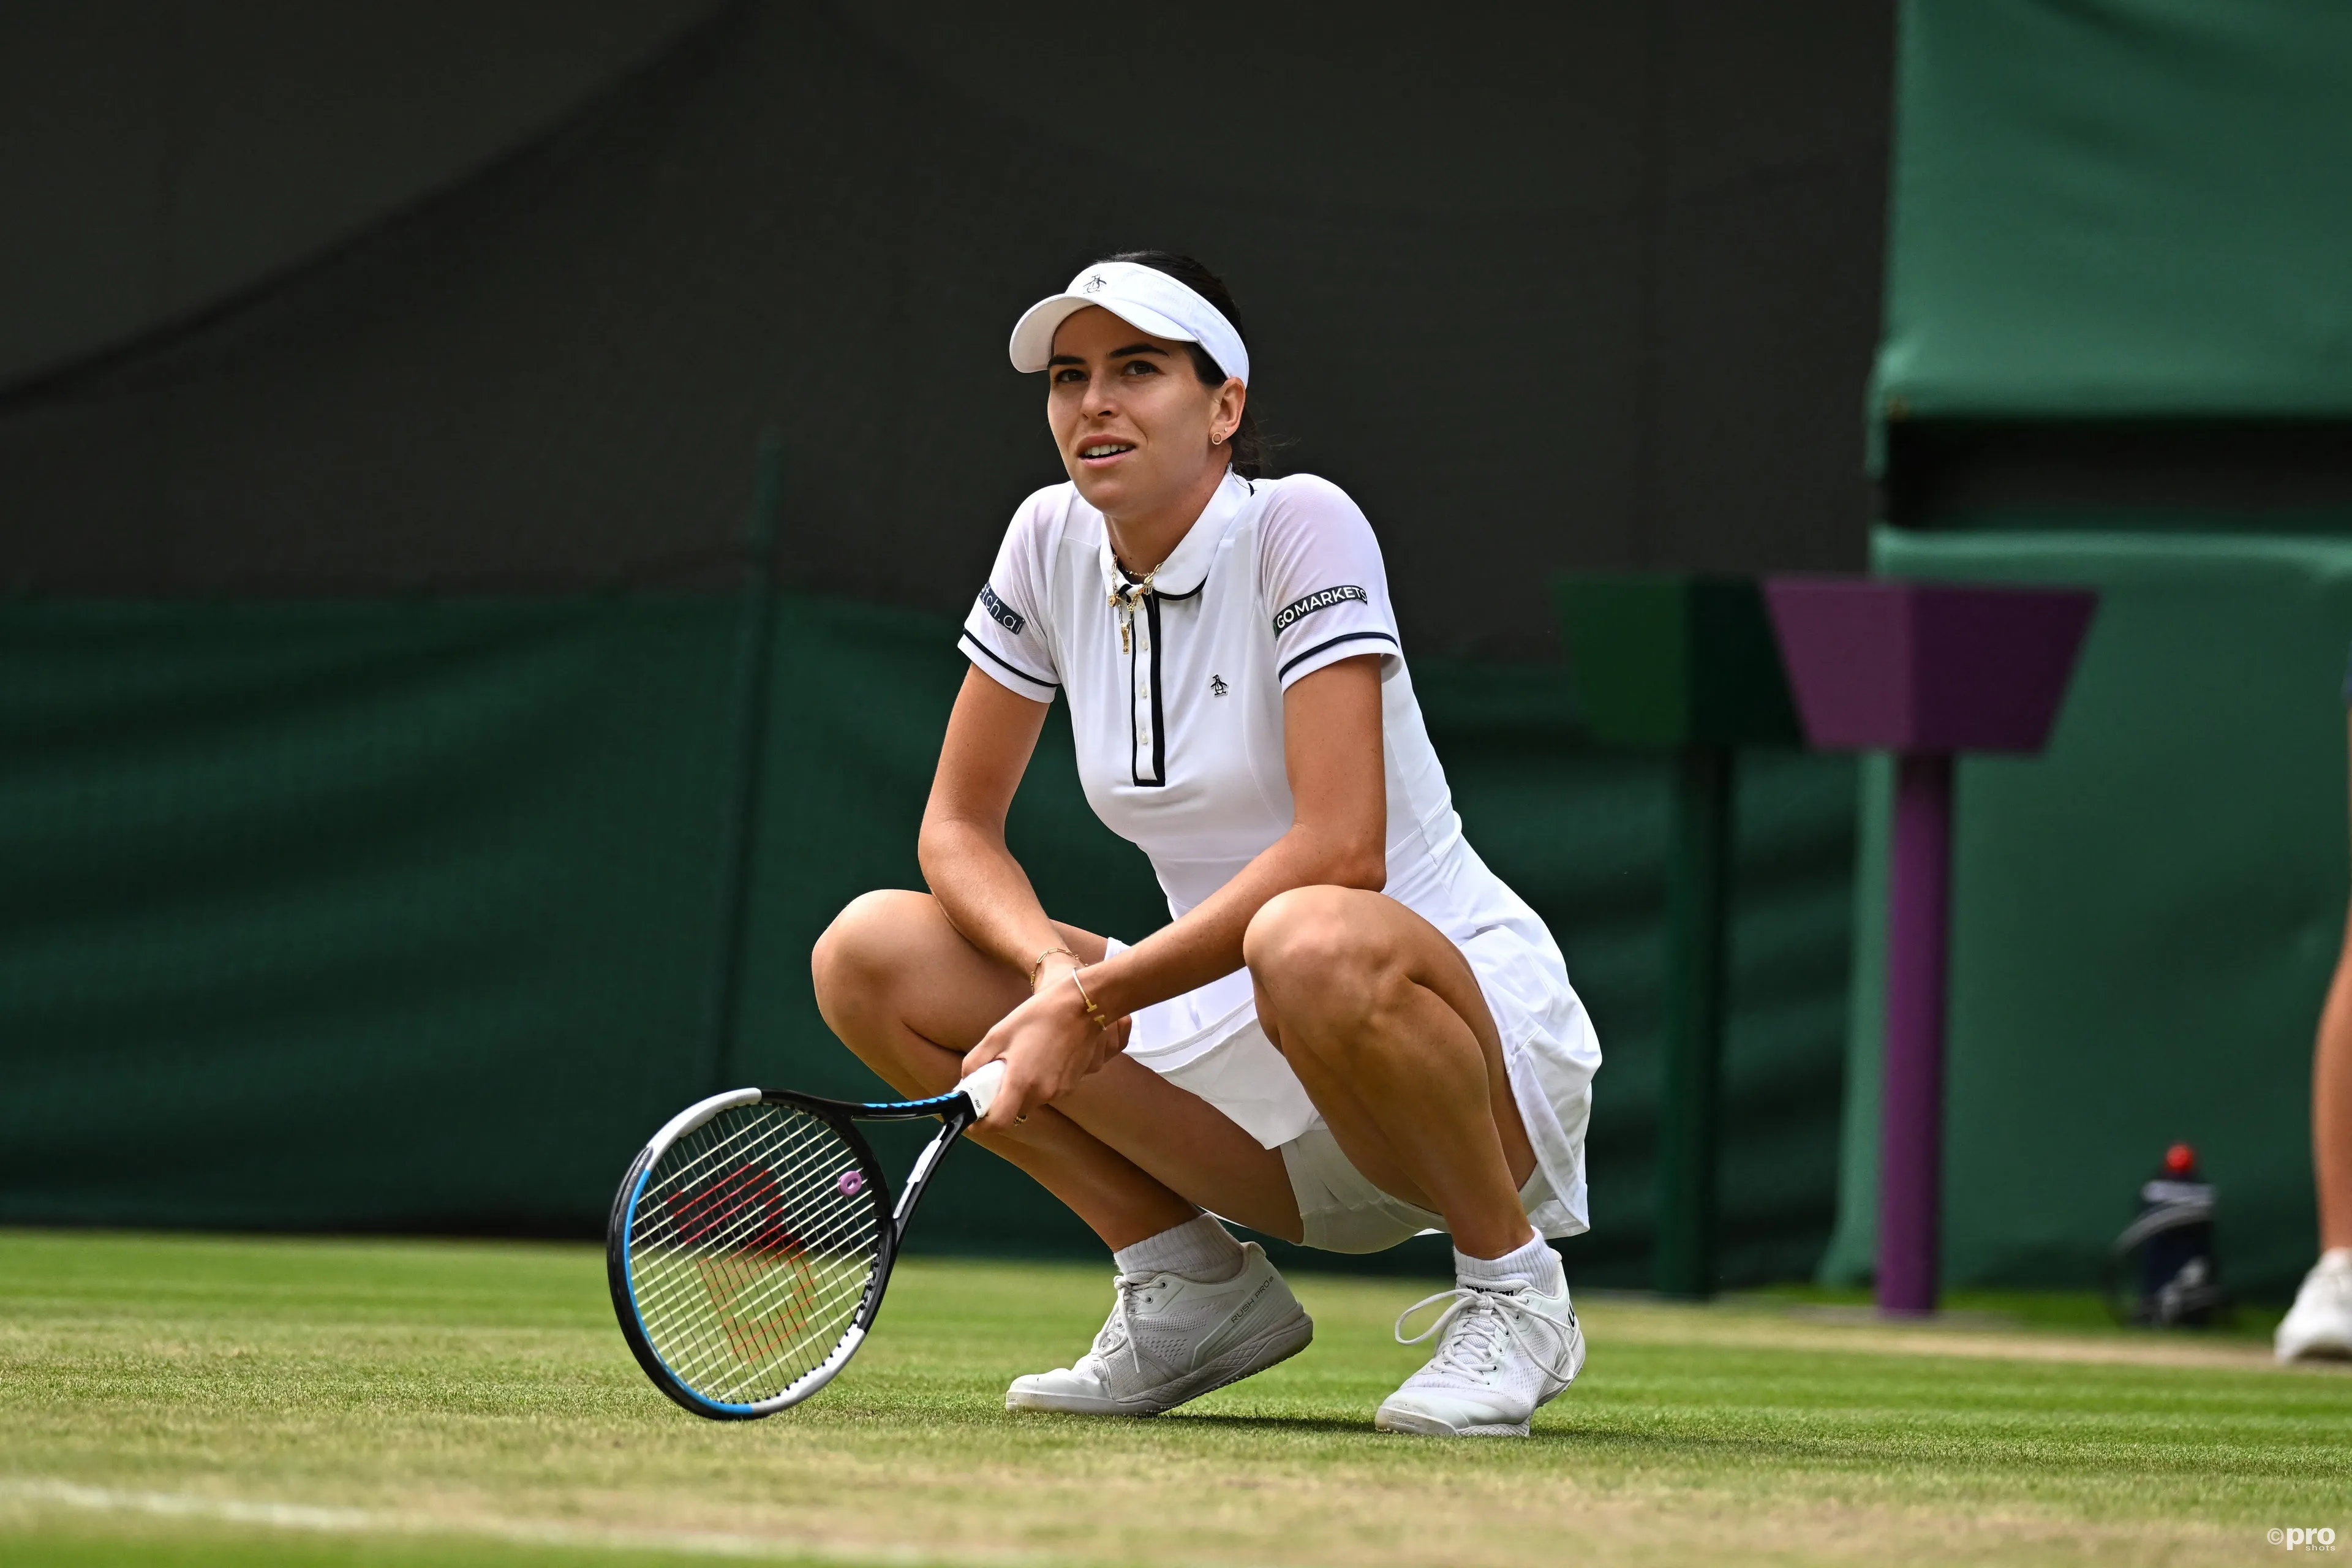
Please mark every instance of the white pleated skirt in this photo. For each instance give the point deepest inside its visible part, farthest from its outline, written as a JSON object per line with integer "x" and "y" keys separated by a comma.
{"x": 1208, "y": 1041}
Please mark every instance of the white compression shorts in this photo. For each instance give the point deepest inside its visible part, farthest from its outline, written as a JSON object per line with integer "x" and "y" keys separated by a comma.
{"x": 1341, "y": 1211}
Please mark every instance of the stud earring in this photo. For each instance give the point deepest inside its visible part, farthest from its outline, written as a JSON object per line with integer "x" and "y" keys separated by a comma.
{"x": 1216, "y": 441}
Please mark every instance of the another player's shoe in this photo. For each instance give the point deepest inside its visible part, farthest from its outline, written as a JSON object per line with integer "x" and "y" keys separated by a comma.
{"x": 1170, "y": 1338}
{"x": 1504, "y": 1351}
{"x": 2319, "y": 1324}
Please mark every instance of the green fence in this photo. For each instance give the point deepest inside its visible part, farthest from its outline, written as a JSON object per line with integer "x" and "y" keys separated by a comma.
{"x": 408, "y": 915}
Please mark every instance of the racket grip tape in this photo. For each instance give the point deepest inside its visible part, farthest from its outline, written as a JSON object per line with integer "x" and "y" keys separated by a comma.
{"x": 982, "y": 1086}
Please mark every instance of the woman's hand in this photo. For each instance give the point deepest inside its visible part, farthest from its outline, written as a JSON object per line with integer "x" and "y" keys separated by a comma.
{"x": 1048, "y": 1045}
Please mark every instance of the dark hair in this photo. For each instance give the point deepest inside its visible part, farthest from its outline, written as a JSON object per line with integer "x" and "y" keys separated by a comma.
{"x": 1251, "y": 450}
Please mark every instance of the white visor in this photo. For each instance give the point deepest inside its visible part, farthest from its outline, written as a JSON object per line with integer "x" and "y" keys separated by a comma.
{"x": 1140, "y": 295}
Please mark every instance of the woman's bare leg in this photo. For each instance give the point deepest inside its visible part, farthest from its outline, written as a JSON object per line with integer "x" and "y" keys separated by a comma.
{"x": 905, "y": 991}
{"x": 1381, "y": 1018}
{"x": 2331, "y": 1106}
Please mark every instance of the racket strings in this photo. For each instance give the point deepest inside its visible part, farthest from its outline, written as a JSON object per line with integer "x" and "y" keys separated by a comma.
{"x": 732, "y": 1265}
{"x": 751, "y": 1243}
{"x": 718, "y": 1224}
{"x": 757, "y": 1268}
{"x": 771, "y": 1283}
{"x": 815, "y": 1145}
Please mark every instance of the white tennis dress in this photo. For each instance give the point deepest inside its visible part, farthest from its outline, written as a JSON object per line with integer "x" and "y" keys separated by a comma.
{"x": 1176, "y": 701}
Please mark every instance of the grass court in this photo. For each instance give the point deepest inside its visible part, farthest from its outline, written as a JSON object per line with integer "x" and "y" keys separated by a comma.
{"x": 205, "y": 1401}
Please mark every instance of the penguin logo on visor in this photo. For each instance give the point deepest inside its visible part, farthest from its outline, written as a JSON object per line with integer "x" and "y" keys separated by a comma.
{"x": 1095, "y": 284}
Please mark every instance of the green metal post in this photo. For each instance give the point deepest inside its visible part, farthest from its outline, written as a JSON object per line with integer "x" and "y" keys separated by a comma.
{"x": 1689, "y": 666}
{"x": 1698, "y": 874}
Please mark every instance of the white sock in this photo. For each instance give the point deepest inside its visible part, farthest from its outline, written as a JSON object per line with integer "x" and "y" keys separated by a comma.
{"x": 1199, "y": 1249}
{"x": 2336, "y": 1257}
{"x": 1534, "y": 1264}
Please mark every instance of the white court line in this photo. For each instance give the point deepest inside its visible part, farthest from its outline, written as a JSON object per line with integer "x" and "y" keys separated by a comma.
{"x": 39, "y": 1489}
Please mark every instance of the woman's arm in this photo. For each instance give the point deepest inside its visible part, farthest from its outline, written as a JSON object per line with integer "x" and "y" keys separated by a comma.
{"x": 979, "y": 885}
{"x": 1339, "y": 832}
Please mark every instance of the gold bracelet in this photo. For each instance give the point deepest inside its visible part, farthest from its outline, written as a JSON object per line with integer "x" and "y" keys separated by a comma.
{"x": 1092, "y": 1011}
{"x": 1038, "y": 968}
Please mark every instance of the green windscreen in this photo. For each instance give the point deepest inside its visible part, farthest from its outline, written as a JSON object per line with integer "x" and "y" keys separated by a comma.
{"x": 410, "y": 915}
{"x": 2120, "y": 207}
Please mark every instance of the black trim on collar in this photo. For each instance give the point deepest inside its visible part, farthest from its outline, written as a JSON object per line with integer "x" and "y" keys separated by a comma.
{"x": 1131, "y": 579}
{"x": 1032, "y": 679}
{"x": 1296, "y": 659}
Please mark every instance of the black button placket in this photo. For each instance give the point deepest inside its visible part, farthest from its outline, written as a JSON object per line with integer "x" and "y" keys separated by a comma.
{"x": 1145, "y": 714}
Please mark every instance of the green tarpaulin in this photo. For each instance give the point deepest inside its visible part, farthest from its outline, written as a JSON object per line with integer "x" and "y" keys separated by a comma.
{"x": 2120, "y": 207}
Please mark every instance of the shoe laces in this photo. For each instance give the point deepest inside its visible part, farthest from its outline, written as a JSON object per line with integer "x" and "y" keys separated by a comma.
{"x": 1478, "y": 1323}
{"x": 1118, "y": 1331}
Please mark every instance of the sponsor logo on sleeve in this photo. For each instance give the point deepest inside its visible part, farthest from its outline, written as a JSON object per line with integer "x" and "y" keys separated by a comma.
{"x": 1321, "y": 599}
{"x": 1002, "y": 614}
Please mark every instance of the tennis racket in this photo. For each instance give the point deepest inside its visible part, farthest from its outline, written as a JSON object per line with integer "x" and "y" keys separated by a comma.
{"x": 752, "y": 1240}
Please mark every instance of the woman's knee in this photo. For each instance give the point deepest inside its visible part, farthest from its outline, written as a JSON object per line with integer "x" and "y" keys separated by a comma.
{"x": 1310, "y": 949}
{"x": 859, "y": 956}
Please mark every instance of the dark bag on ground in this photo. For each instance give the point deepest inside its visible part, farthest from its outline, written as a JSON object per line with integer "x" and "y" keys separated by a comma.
{"x": 2161, "y": 1272}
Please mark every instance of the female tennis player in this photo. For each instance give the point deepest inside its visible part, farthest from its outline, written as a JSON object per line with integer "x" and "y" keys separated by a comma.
{"x": 1350, "y": 1032}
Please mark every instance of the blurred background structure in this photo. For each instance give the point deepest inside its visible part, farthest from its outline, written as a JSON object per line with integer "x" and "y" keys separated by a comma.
{"x": 391, "y": 755}
{"x": 2118, "y": 354}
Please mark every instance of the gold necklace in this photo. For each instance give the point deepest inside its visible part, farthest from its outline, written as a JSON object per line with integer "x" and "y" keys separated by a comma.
{"x": 1124, "y": 597}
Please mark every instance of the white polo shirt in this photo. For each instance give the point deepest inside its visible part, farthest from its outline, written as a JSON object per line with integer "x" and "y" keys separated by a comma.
{"x": 1175, "y": 698}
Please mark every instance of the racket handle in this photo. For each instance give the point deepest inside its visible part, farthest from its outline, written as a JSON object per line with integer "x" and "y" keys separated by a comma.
{"x": 982, "y": 1086}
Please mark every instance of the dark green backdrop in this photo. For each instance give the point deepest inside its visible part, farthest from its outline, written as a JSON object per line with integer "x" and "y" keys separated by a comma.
{"x": 408, "y": 914}
{"x": 2116, "y": 209}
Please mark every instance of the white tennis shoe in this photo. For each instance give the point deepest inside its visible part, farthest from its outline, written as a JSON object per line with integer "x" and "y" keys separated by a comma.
{"x": 1504, "y": 1353}
{"x": 1170, "y": 1338}
{"x": 2319, "y": 1324}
